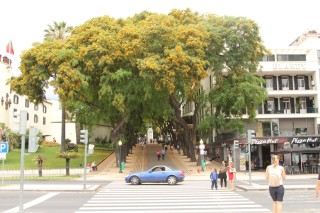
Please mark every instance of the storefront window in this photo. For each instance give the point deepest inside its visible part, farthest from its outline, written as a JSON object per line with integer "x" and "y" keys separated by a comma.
{"x": 266, "y": 128}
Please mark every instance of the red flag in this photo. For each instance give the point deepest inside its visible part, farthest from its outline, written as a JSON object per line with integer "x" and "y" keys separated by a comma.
{"x": 10, "y": 48}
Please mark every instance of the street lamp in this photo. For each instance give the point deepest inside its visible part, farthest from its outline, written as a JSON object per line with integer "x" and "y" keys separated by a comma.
{"x": 120, "y": 144}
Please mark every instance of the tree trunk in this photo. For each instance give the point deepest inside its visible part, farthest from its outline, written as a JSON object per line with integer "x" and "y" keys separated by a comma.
{"x": 67, "y": 166}
{"x": 114, "y": 137}
{"x": 188, "y": 140}
{"x": 63, "y": 129}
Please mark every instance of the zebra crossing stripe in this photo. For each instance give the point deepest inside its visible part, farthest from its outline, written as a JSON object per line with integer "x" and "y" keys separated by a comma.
{"x": 155, "y": 199}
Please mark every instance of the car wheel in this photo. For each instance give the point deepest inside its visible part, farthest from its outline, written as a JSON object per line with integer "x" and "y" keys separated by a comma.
{"x": 135, "y": 180}
{"x": 172, "y": 180}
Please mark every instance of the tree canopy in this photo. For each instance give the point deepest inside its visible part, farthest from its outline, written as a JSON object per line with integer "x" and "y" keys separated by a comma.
{"x": 147, "y": 66}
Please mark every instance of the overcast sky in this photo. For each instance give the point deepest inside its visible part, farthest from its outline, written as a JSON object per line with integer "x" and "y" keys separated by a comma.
{"x": 280, "y": 21}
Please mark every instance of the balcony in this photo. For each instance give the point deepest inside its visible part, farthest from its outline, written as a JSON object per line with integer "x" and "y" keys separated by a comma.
{"x": 288, "y": 111}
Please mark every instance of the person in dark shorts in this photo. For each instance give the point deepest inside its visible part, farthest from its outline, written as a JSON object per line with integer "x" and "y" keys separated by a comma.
{"x": 276, "y": 173}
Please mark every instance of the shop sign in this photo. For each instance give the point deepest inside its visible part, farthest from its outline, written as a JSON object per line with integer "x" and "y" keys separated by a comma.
{"x": 289, "y": 66}
{"x": 304, "y": 140}
{"x": 265, "y": 141}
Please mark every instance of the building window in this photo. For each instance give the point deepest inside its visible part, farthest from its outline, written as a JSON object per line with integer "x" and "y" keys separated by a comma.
{"x": 301, "y": 83}
{"x": 270, "y": 105}
{"x": 26, "y": 103}
{"x": 36, "y": 107}
{"x": 269, "y": 83}
{"x": 275, "y": 127}
{"x": 268, "y": 58}
{"x": 285, "y": 82}
{"x": 266, "y": 127}
{"x": 15, "y": 110}
{"x": 35, "y": 119}
{"x": 15, "y": 99}
{"x": 286, "y": 105}
{"x": 282, "y": 57}
{"x": 44, "y": 121}
{"x": 301, "y": 105}
{"x": 44, "y": 109}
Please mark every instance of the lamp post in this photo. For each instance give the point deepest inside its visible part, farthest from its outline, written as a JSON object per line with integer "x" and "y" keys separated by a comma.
{"x": 201, "y": 147}
{"x": 120, "y": 144}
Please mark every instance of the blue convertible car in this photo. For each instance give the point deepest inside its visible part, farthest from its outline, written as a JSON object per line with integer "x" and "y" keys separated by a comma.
{"x": 157, "y": 174}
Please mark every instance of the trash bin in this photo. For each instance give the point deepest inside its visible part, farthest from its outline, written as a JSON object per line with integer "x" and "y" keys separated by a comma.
{"x": 122, "y": 166}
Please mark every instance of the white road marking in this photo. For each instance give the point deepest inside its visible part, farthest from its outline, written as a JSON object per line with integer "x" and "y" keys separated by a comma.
{"x": 33, "y": 202}
{"x": 189, "y": 198}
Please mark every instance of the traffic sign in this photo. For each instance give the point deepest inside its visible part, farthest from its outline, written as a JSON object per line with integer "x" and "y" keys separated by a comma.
{"x": 4, "y": 147}
{"x": 3, "y": 156}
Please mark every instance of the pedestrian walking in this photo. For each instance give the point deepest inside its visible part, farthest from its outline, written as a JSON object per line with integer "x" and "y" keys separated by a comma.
{"x": 316, "y": 192}
{"x": 163, "y": 153}
{"x": 165, "y": 147}
{"x": 223, "y": 175}
{"x": 205, "y": 152}
{"x": 178, "y": 148}
{"x": 275, "y": 175}
{"x": 158, "y": 153}
{"x": 231, "y": 173}
{"x": 214, "y": 178}
{"x": 94, "y": 166}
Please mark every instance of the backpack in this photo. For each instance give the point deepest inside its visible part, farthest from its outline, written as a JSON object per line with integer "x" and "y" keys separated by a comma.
{"x": 213, "y": 176}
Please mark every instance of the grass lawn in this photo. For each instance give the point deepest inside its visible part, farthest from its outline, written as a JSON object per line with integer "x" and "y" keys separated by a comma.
{"x": 52, "y": 162}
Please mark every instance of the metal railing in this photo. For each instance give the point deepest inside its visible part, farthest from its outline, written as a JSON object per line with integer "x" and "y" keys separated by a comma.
{"x": 14, "y": 172}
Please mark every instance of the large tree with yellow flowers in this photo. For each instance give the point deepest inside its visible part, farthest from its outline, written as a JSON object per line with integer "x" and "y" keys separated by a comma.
{"x": 146, "y": 67}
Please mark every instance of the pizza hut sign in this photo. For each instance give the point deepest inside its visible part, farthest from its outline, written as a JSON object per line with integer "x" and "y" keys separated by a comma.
{"x": 304, "y": 140}
{"x": 265, "y": 141}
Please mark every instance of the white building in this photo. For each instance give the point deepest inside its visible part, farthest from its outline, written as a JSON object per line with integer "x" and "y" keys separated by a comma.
{"x": 38, "y": 116}
{"x": 290, "y": 116}
{"x": 45, "y": 116}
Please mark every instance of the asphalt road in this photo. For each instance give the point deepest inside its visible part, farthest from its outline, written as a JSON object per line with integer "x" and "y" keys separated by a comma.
{"x": 189, "y": 197}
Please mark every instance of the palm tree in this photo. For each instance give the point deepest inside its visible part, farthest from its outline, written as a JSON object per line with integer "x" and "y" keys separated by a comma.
{"x": 39, "y": 160}
{"x": 59, "y": 31}
{"x": 68, "y": 156}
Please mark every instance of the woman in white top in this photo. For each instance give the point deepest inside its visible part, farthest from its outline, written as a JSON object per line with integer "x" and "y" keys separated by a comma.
{"x": 277, "y": 191}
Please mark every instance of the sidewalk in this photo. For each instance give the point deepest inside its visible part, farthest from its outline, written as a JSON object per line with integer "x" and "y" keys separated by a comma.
{"x": 141, "y": 160}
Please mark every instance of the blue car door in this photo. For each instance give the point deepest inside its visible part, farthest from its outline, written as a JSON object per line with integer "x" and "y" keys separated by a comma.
{"x": 160, "y": 175}
{"x": 156, "y": 175}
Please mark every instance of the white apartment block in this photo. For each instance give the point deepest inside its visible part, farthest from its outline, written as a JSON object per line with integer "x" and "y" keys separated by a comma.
{"x": 290, "y": 116}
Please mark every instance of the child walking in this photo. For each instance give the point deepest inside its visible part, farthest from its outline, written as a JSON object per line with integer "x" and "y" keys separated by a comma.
{"x": 214, "y": 178}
